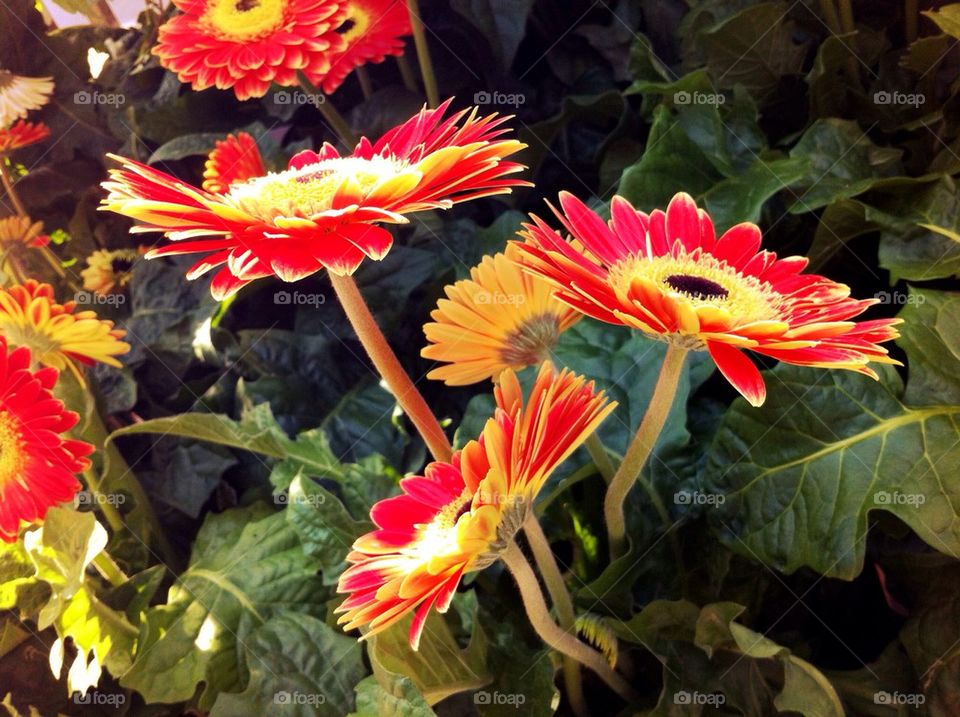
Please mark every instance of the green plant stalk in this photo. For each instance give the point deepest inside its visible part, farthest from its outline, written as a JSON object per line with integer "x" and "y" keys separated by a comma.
{"x": 562, "y": 604}
{"x": 106, "y": 566}
{"x": 640, "y": 449}
{"x": 7, "y": 182}
{"x": 846, "y": 17}
{"x": 363, "y": 77}
{"x": 910, "y": 18}
{"x": 829, "y": 12}
{"x": 406, "y": 72}
{"x": 601, "y": 459}
{"x": 423, "y": 54}
{"x": 551, "y": 633}
{"x": 336, "y": 120}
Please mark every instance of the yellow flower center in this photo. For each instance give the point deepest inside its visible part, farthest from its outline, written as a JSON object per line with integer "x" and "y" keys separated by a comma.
{"x": 244, "y": 20}
{"x": 13, "y": 457}
{"x": 355, "y": 26}
{"x": 309, "y": 191}
{"x": 532, "y": 341}
{"x": 703, "y": 280}
{"x": 439, "y": 537}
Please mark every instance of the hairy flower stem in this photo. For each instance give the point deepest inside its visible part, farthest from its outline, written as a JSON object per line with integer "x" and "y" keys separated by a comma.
{"x": 336, "y": 121}
{"x": 406, "y": 72}
{"x": 551, "y": 633}
{"x": 8, "y": 188}
{"x": 601, "y": 459}
{"x": 363, "y": 77}
{"x": 111, "y": 572}
{"x": 562, "y": 604}
{"x": 640, "y": 449}
{"x": 829, "y": 11}
{"x": 423, "y": 54}
{"x": 387, "y": 364}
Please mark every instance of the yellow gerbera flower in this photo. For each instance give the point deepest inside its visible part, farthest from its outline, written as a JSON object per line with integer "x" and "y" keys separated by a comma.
{"x": 109, "y": 272}
{"x": 19, "y": 95}
{"x": 501, "y": 317}
{"x": 55, "y": 334}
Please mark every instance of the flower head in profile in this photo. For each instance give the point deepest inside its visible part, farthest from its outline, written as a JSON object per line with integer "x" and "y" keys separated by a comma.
{"x": 22, "y": 134}
{"x": 21, "y": 231}
{"x": 459, "y": 516}
{"x": 668, "y": 275}
{"x": 501, "y": 317}
{"x": 234, "y": 159}
{"x": 248, "y": 45}
{"x": 109, "y": 271}
{"x": 325, "y": 210}
{"x": 38, "y": 466}
{"x": 19, "y": 95}
{"x": 371, "y": 31}
{"x": 56, "y": 334}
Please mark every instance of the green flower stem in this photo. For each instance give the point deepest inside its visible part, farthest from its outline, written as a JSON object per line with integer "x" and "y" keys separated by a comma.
{"x": 336, "y": 121}
{"x": 411, "y": 401}
{"x": 846, "y": 17}
{"x": 363, "y": 77}
{"x": 829, "y": 11}
{"x": 551, "y": 633}
{"x": 423, "y": 54}
{"x": 600, "y": 457}
{"x": 110, "y": 512}
{"x": 562, "y": 604}
{"x": 640, "y": 449}
{"x": 910, "y": 17}
{"x": 406, "y": 72}
{"x": 7, "y": 182}
{"x": 109, "y": 569}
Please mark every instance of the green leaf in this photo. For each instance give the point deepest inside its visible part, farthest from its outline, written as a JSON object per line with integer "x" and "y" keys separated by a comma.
{"x": 401, "y": 699}
{"x": 502, "y": 24}
{"x": 930, "y": 334}
{"x": 186, "y": 145}
{"x": 797, "y": 488}
{"x": 299, "y": 667}
{"x": 741, "y": 198}
{"x": 947, "y": 19}
{"x": 246, "y": 568}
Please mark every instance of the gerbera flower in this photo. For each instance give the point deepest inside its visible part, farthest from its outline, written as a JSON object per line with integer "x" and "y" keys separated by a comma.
{"x": 371, "y": 30}
{"x": 55, "y": 334}
{"x": 667, "y": 275}
{"x": 249, "y": 44}
{"x": 109, "y": 272}
{"x": 501, "y": 317}
{"x": 22, "y": 134}
{"x": 37, "y": 465}
{"x": 322, "y": 211}
{"x": 19, "y": 95}
{"x": 234, "y": 159}
{"x": 459, "y": 516}
{"x": 21, "y": 231}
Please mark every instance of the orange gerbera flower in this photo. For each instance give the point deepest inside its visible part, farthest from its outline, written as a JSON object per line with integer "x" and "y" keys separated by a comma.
{"x": 234, "y": 159}
{"x": 19, "y": 95}
{"x": 669, "y": 276}
{"x": 21, "y": 231}
{"x": 371, "y": 30}
{"x": 501, "y": 317}
{"x": 459, "y": 516}
{"x": 22, "y": 134}
{"x": 249, "y": 44}
{"x": 323, "y": 211}
{"x": 37, "y": 465}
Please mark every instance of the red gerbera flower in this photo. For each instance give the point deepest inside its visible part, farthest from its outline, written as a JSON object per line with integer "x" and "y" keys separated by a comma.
{"x": 371, "y": 30}
{"x": 322, "y": 211}
{"x": 667, "y": 275}
{"x": 22, "y": 134}
{"x": 459, "y": 516}
{"x": 37, "y": 465}
{"x": 234, "y": 159}
{"x": 248, "y": 44}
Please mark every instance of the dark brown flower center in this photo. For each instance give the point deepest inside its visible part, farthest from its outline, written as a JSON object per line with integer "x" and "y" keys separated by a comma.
{"x": 697, "y": 286}
{"x": 347, "y": 26}
{"x": 246, "y": 5}
{"x": 121, "y": 266}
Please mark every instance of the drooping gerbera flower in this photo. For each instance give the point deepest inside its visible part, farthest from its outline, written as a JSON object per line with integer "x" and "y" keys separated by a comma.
{"x": 55, "y": 333}
{"x": 667, "y": 275}
{"x": 22, "y": 134}
{"x": 501, "y": 317}
{"x": 459, "y": 516}
{"x": 371, "y": 30}
{"x": 249, "y": 44}
{"x": 109, "y": 271}
{"x": 38, "y": 466}
{"x": 21, "y": 231}
{"x": 323, "y": 211}
{"x": 19, "y": 95}
{"x": 234, "y": 159}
